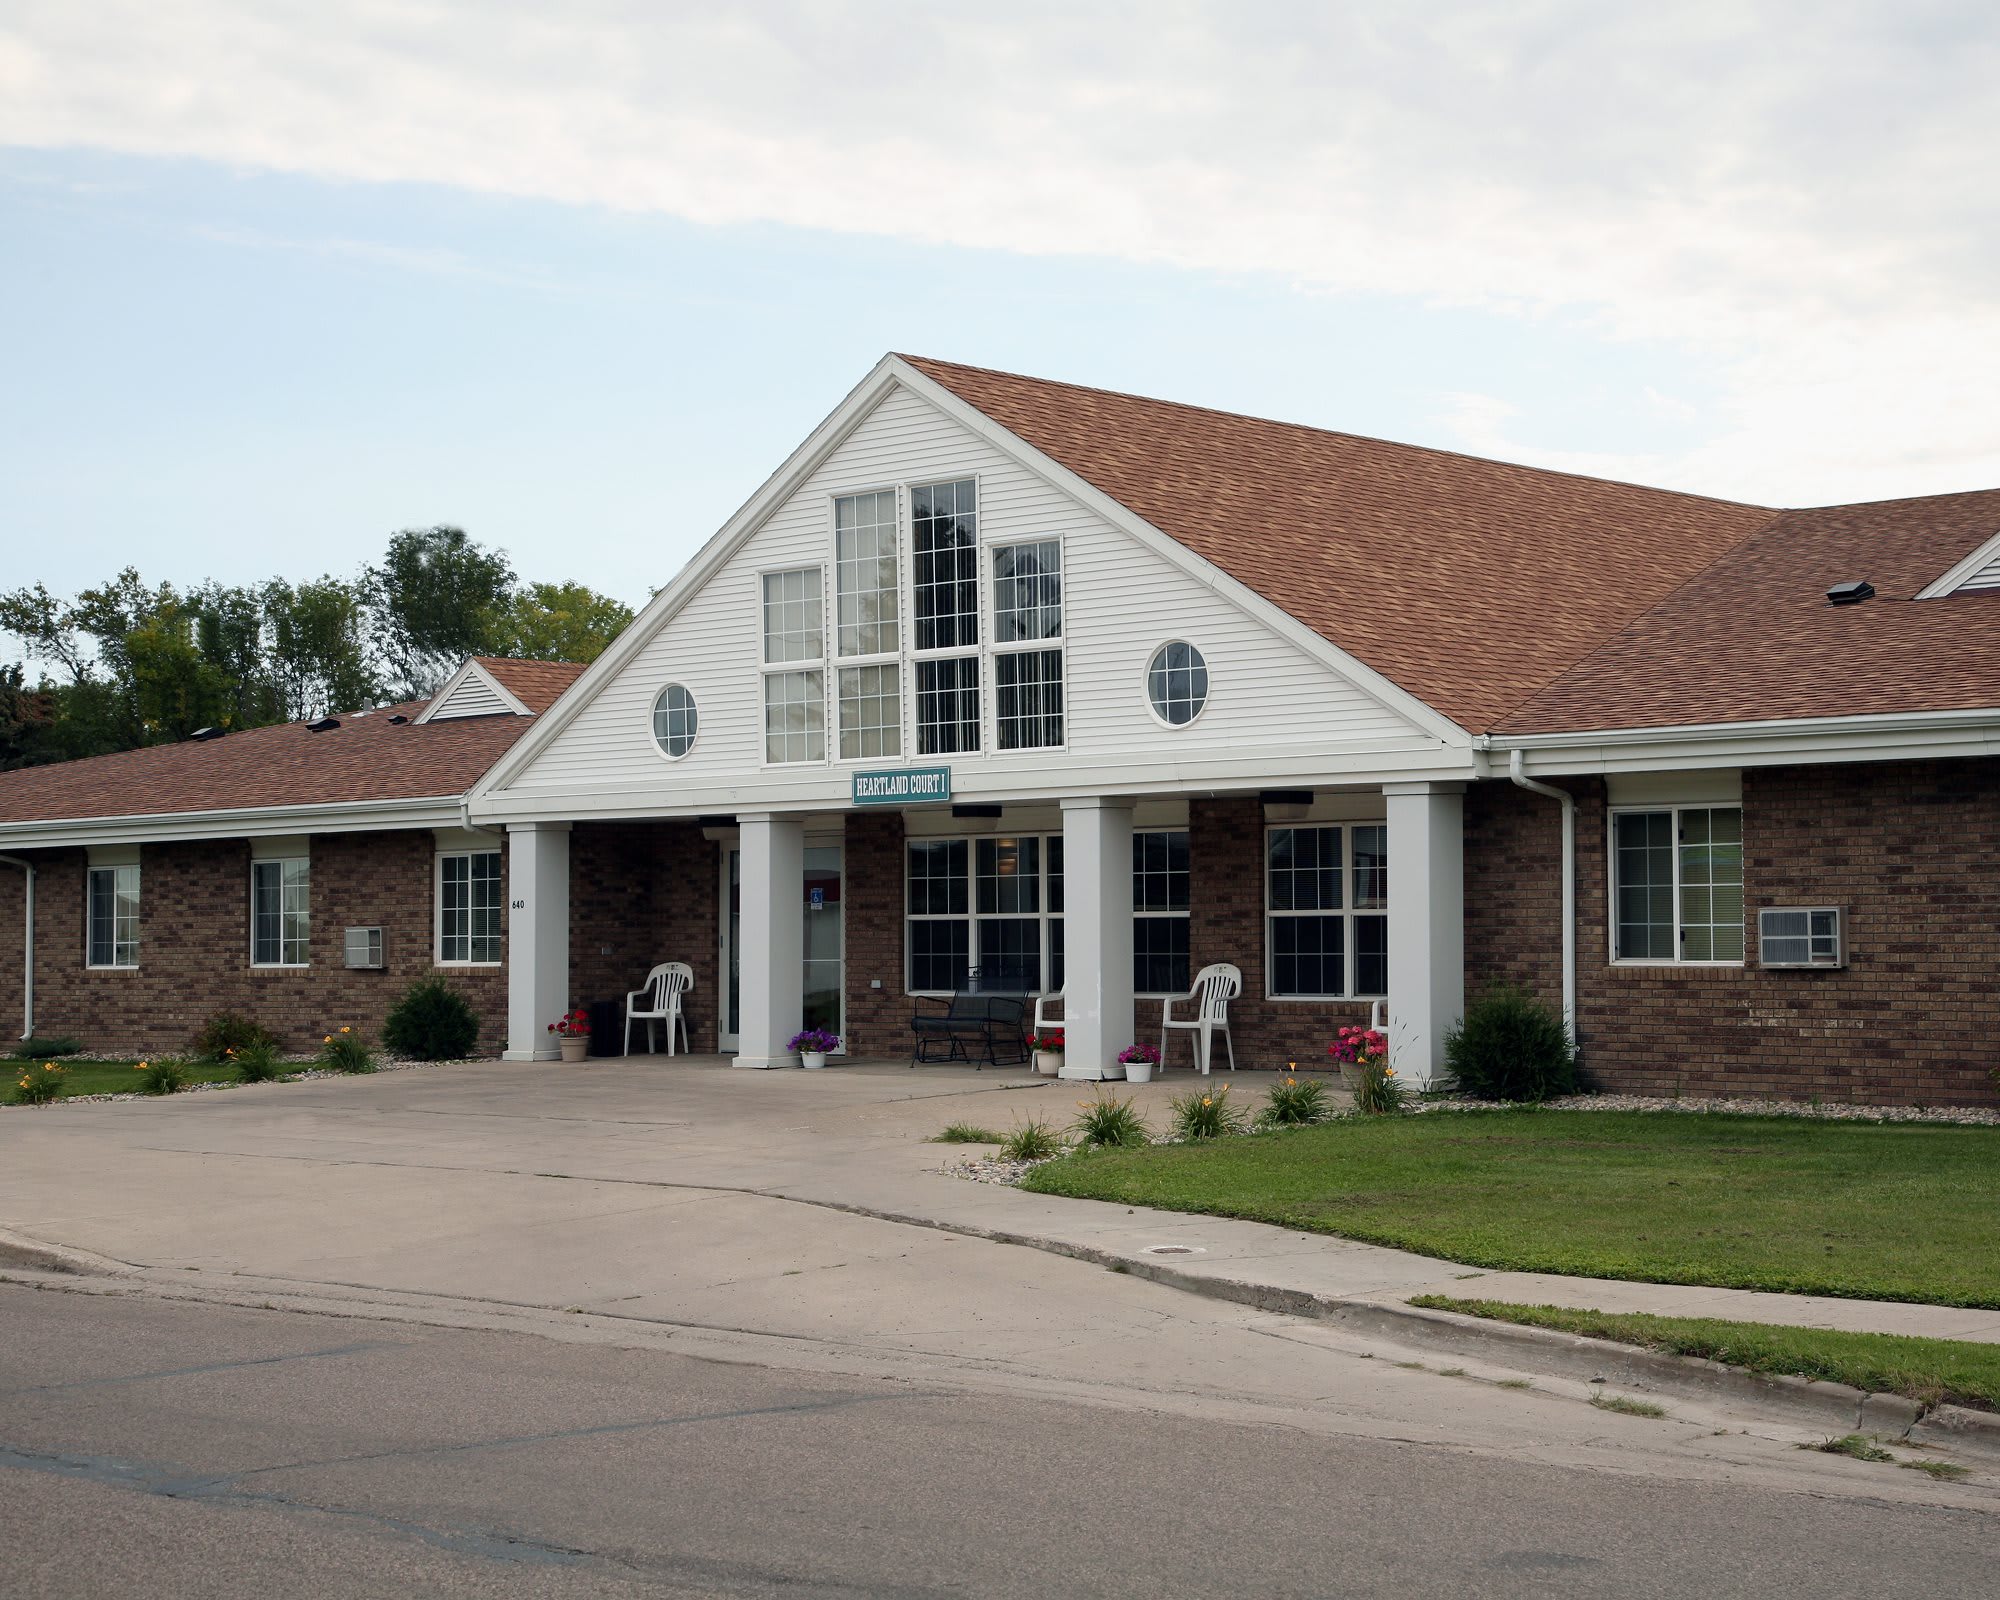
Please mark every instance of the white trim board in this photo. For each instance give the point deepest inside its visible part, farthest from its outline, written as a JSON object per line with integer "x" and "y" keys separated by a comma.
{"x": 1988, "y": 554}
{"x": 355, "y": 816}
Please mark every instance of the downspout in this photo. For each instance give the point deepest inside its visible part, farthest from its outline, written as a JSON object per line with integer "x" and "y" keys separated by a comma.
{"x": 1515, "y": 770}
{"x": 27, "y": 945}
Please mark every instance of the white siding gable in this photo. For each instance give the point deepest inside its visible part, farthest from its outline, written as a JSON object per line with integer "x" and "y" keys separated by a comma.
{"x": 1979, "y": 570}
{"x": 1273, "y": 709}
{"x": 471, "y": 691}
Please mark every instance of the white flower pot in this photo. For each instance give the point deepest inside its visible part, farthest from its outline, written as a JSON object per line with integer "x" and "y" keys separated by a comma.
{"x": 1048, "y": 1062}
{"x": 1138, "y": 1072}
{"x": 813, "y": 1058}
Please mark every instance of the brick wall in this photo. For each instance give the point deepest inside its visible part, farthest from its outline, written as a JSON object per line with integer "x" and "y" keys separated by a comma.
{"x": 1226, "y": 923}
{"x": 642, "y": 893}
{"x": 1909, "y": 850}
{"x": 194, "y": 947}
{"x": 878, "y": 1020}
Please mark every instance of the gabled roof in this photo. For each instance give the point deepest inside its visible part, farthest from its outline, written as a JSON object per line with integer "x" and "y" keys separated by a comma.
{"x": 536, "y": 684}
{"x": 1752, "y": 638}
{"x": 369, "y": 757}
{"x": 1469, "y": 583}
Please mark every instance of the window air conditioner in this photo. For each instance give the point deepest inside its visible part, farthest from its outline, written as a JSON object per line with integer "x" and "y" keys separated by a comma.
{"x": 364, "y": 947}
{"x": 1802, "y": 936}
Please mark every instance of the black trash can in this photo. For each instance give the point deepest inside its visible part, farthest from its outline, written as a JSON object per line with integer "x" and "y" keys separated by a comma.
{"x": 607, "y": 1027}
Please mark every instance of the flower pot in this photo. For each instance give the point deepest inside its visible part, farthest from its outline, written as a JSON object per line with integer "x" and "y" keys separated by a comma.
{"x": 812, "y": 1058}
{"x": 574, "y": 1046}
{"x": 1138, "y": 1072}
{"x": 1048, "y": 1062}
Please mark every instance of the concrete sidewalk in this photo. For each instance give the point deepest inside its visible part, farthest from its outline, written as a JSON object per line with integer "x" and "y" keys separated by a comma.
{"x": 437, "y": 1179}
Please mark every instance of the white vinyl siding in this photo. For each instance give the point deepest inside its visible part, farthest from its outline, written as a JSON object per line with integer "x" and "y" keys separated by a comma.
{"x": 1677, "y": 884}
{"x": 280, "y": 901}
{"x": 468, "y": 908}
{"x": 1269, "y": 701}
{"x": 112, "y": 939}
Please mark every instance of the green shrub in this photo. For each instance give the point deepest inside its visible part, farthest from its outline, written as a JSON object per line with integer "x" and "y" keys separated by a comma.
{"x": 227, "y": 1031}
{"x": 256, "y": 1063}
{"x": 1376, "y": 1091}
{"x": 38, "y": 1085}
{"x": 432, "y": 1022}
{"x": 344, "y": 1050}
{"x": 1205, "y": 1114}
{"x": 40, "y": 1050}
{"x": 965, "y": 1133}
{"x": 1033, "y": 1140}
{"x": 1295, "y": 1103}
{"x": 1105, "y": 1121}
{"x": 165, "y": 1076}
{"x": 1511, "y": 1046}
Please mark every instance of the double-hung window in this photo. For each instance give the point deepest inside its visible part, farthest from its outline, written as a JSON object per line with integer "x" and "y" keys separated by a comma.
{"x": 1027, "y": 645}
{"x": 944, "y": 597}
{"x": 1677, "y": 884}
{"x": 468, "y": 911}
{"x": 997, "y": 904}
{"x": 1160, "y": 912}
{"x": 867, "y": 633}
{"x": 113, "y": 934}
{"x": 1327, "y": 903}
{"x": 794, "y": 666}
{"x": 280, "y": 892}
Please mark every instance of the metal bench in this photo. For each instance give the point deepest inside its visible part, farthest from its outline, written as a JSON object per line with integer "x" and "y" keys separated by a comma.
{"x": 985, "y": 1029}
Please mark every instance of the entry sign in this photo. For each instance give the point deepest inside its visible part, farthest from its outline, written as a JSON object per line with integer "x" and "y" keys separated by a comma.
{"x": 907, "y": 787}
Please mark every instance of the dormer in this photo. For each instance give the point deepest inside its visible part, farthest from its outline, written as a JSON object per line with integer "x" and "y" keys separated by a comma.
{"x": 473, "y": 691}
{"x": 1980, "y": 570}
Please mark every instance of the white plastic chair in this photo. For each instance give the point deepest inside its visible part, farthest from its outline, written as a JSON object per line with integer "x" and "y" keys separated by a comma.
{"x": 660, "y": 1001}
{"x": 1043, "y": 1021}
{"x": 1214, "y": 987}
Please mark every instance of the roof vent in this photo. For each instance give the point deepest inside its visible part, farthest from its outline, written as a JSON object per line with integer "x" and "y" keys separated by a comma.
{"x": 1849, "y": 594}
{"x": 398, "y": 720}
{"x": 322, "y": 725}
{"x": 205, "y": 734}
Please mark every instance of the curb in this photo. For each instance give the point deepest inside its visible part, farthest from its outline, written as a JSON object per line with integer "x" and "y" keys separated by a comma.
{"x": 18, "y": 1250}
{"x": 1808, "y": 1401}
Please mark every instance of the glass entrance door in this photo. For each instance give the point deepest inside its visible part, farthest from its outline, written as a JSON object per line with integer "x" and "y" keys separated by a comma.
{"x": 825, "y": 943}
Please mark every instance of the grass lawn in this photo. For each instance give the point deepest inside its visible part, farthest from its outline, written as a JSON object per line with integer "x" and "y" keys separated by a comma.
{"x": 1895, "y": 1211}
{"x": 105, "y": 1077}
{"x": 1935, "y": 1371}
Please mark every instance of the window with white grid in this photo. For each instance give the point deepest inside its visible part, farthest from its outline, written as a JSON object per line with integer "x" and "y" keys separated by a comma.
{"x": 280, "y": 895}
{"x": 1677, "y": 884}
{"x": 468, "y": 911}
{"x": 1028, "y": 699}
{"x": 865, "y": 574}
{"x": 794, "y": 634}
{"x": 871, "y": 711}
{"x": 113, "y": 939}
{"x": 947, "y": 705}
{"x": 1160, "y": 912}
{"x": 1027, "y": 592}
{"x": 1326, "y": 898}
{"x": 944, "y": 575}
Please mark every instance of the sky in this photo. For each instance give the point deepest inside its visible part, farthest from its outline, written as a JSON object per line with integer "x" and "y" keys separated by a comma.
{"x": 278, "y": 279}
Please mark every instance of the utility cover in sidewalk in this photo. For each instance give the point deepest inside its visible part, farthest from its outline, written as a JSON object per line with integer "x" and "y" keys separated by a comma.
{"x": 1173, "y": 1250}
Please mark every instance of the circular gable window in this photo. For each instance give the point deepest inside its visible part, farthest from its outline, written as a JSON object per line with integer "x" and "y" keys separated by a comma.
{"x": 675, "y": 721}
{"x": 1177, "y": 684}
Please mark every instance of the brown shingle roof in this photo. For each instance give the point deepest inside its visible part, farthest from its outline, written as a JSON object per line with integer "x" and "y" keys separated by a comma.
{"x": 536, "y": 684}
{"x": 1752, "y": 638}
{"x": 1470, "y": 583}
{"x": 366, "y": 758}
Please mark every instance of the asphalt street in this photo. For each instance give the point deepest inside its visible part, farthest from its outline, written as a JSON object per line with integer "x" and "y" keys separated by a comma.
{"x": 177, "y": 1449}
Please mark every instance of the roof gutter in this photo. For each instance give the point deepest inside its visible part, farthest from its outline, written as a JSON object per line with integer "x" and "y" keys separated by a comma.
{"x": 1568, "y": 800}
{"x": 27, "y": 945}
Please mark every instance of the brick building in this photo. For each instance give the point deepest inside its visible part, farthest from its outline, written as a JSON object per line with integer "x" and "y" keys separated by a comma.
{"x": 1053, "y": 689}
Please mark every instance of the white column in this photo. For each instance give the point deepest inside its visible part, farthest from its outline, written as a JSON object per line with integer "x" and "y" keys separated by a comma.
{"x": 772, "y": 938}
{"x": 1097, "y": 936}
{"x": 537, "y": 937}
{"x": 1426, "y": 924}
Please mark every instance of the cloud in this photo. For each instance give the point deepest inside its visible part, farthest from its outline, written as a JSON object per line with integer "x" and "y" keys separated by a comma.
{"x": 1798, "y": 193}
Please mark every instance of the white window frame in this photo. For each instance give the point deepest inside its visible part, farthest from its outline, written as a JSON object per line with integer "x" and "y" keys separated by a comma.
{"x": 891, "y": 660}
{"x": 1146, "y": 684}
{"x": 438, "y": 957}
{"x": 281, "y": 862}
{"x": 994, "y": 649}
{"x": 694, "y": 707}
{"x": 115, "y": 870}
{"x": 1185, "y": 914}
{"x": 767, "y": 670}
{"x": 977, "y": 651}
{"x": 1347, "y": 911}
{"x": 1612, "y": 814}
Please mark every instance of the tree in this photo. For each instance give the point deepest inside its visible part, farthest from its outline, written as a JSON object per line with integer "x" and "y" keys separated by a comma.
{"x": 318, "y": 657}
{"x": 27, "y": 717}
{"x": 562, "y": 622}
{"x": 437, "y": 598}
{"x": 174, "y": 689}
